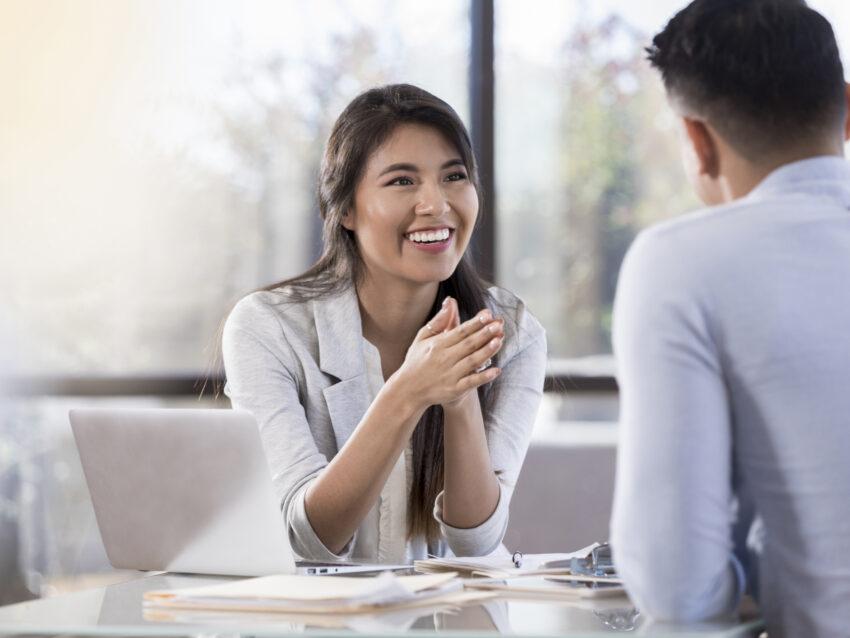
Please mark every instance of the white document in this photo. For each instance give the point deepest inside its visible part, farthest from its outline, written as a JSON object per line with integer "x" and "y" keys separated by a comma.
{"x": 311, "y": 594}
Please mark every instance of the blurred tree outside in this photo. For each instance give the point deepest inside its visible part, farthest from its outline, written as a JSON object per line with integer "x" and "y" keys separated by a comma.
{"x": 617, "y": 170}
{"x": 275, "y": 136}
{"x": 164, "y": 167}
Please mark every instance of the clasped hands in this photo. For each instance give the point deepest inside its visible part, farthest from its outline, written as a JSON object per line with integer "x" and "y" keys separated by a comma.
{"x": 448, "y": 359}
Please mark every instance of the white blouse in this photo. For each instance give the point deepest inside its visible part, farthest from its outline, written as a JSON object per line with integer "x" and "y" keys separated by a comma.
{"x": 384, "y": 530}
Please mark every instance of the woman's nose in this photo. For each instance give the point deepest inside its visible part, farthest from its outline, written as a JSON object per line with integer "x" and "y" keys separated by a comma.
{"x": 432, "y": 201}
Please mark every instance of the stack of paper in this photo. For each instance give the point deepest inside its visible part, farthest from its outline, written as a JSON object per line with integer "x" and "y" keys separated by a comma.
{"x": 502, "y": 566}
{"x": 548, "y": 587}
{"x": 391, "y": 619}
{"x": 537, "y": 576}
{"x": 311, "y": 594}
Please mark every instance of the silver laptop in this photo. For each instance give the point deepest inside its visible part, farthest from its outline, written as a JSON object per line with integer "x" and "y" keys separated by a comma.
{"x": 185, "y": 491}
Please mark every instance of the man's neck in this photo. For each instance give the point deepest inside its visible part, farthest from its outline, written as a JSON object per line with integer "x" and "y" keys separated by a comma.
{"x": 740, "y": 176}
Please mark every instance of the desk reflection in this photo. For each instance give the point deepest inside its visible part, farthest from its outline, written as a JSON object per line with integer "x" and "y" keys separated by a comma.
{"x": 491, "y": 616}
{"x": 117, "y": 610}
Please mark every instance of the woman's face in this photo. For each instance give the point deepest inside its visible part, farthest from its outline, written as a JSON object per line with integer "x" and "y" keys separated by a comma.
{"x": 414, "y": 208}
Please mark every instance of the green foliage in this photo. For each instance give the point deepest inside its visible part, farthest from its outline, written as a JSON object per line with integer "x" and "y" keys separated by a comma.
{"x": 620, "y": 170}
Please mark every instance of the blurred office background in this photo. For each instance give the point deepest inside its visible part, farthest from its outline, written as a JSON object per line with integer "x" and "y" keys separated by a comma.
{"x": 158, "y": 160}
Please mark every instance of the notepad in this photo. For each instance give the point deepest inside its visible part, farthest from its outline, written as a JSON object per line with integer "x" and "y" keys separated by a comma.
{"x": 310, "y": 595}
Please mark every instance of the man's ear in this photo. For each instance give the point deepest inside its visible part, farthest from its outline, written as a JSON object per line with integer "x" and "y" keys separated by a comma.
{"x": 348, "y": 220}
{"x": 847, "y": 113}
{"x": 702, "y": 142}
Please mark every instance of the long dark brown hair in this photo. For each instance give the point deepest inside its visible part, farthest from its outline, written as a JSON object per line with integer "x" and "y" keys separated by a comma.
{"x": 368, "y": 121}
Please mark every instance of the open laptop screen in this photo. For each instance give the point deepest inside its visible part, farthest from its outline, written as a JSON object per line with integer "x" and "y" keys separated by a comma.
{"x": 182, "y": 490}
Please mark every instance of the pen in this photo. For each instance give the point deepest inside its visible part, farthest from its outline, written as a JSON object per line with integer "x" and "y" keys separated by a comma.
{"x": 516, "y": 559}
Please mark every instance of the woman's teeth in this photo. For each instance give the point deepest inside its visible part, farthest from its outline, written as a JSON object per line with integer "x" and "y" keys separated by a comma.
{"x": 429, "y": 236}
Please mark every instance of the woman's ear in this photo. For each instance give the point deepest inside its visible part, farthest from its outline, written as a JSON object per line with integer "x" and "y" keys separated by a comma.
{"x": 348, "y": 220}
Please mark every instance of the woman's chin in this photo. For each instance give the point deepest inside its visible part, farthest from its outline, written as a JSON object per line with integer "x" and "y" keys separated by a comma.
{"x": 436, "y": 275}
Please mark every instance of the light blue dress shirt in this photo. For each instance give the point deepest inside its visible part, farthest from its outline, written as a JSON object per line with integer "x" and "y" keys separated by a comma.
{"x": 732, "y": 338}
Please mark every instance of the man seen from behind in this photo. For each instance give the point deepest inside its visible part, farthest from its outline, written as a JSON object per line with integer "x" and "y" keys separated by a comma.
{"x": 732, "y": 333}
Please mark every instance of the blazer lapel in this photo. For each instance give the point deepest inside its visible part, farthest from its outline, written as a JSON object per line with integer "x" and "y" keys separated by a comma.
{"x": 340, "y": 337}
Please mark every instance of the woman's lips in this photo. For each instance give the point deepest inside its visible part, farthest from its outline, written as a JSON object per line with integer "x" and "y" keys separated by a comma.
{"x": 432, "y": 247}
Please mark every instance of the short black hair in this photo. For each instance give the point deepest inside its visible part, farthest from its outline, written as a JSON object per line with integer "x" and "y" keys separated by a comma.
{"x": 766, "y": 74}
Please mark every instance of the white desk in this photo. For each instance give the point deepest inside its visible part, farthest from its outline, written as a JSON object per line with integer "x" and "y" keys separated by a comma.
{"x": 116, "y": 610}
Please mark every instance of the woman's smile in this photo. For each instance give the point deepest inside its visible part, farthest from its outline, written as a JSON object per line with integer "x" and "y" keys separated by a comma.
{"x": 430, "y": 240}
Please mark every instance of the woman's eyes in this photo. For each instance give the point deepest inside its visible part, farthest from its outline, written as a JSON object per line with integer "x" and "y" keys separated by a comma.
{"x": 406, "y": 181}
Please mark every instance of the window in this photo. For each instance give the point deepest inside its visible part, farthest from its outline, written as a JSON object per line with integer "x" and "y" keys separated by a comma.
{"x": 586, "y": 157}
{"x": 586, "y": 154}
{"x": 159, "y": 160}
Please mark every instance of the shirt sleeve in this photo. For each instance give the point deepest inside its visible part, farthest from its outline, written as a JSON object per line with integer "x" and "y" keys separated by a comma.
{"x": 671, "y": 529}
{"x": 259, "y": 381}
{"x": 508, "y": 421}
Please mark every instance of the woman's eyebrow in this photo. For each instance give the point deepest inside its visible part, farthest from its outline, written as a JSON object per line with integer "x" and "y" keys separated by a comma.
{"x": 412, "y": 168}
{"x": 399, "y": 167}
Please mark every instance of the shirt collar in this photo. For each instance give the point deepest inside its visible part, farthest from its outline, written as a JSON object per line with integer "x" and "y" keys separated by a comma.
{"x": 826, "y": 176}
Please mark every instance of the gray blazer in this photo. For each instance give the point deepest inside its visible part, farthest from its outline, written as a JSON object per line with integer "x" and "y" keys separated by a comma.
{"x": 298, "y": 367}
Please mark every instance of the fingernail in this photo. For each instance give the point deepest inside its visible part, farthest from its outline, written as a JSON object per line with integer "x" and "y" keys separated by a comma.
{"x": 485, "y": 316}
{"x": 494, "y": 328}
{"x": 445, "y": 301}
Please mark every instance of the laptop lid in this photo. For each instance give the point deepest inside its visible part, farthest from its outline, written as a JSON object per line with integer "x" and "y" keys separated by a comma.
{"x": 182, "y": 491}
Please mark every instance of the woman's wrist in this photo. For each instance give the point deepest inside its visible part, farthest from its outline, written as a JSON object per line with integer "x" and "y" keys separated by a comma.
{"x": 402, "y": 399}
{"x": 462, "y": 409}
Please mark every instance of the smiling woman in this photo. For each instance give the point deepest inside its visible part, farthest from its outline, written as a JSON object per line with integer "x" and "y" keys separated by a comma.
{"x": 395, "y": 391}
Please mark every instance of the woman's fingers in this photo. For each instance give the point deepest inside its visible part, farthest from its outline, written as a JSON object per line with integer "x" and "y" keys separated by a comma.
{"x": 469, "y": 327}
{"x": 454, "y": 312}
{"x": 481, "y": 356}
{"x": 447, "y": 321}
{"x": 478, "y": 340}
{"x": 441, "y": 322}
{"x": 454, "y": 357}
{"x": 472, "y": 381}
